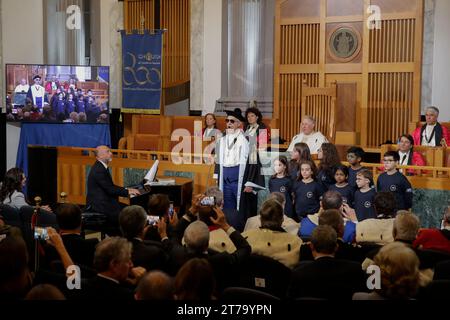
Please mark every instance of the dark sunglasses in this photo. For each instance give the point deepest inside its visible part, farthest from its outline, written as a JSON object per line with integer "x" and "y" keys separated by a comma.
{"x": 229, "y": 120}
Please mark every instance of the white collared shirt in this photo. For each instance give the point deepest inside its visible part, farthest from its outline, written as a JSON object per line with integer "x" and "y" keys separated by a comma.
{"x": 427, "y": 134}
{"x": 313, "y": 140}
{"x": 402, "y": 154}
{"x": 232, "y": 149}
{"x": 106, "y": 277}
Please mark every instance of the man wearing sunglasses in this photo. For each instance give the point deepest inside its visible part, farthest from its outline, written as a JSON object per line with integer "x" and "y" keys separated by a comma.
{"x": 231, "y": 159}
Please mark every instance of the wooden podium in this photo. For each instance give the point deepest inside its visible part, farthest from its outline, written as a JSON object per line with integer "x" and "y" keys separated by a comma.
{"x": 180, "y": 193}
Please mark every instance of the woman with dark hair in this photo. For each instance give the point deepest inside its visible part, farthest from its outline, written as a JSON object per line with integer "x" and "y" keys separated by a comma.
{"x": 11, "y": 191}
{"x": 408, "y": 157}
{"x": 329, "y": 161}
{"x": 210, "y": 129}
{"x": 257, "y": 134}
{"x": 300, "y": 153}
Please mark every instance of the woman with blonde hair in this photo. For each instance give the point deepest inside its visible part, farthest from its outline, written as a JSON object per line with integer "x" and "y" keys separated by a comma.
{"x": 399, "y": 273}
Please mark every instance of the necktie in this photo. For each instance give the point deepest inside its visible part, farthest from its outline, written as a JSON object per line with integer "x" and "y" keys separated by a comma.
{"x": 403, "y": 159}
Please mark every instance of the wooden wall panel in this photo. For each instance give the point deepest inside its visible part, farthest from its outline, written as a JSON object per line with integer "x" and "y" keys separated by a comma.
{"x": 388, "y": 65}
{"x": 138, "y": 14}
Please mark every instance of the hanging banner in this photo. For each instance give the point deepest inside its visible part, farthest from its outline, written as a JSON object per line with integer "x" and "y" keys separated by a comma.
{"x": 141, "y": 74}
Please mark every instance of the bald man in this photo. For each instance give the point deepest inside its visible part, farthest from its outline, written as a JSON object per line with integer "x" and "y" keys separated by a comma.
{"x": 102, "y": 193}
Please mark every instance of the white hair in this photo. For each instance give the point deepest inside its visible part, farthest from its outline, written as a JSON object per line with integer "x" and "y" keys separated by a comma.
{"x": 310, "y": 118}
{"x": 196, "y": 236}
{"x": 433, "y": 109}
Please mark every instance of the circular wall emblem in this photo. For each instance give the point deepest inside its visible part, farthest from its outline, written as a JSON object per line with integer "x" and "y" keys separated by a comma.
{"x": 344, "y": 43}
{"x": 309, "y": 195}
{"x": 367, "y": 204}
{"x": 393, "y": 188}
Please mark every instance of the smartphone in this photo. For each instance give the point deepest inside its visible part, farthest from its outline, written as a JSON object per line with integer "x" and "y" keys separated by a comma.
{"x": 40, "y": 233}
{"x": 171, "y": 210}
{"x": 207, "y": 201}
{"x": 152, "y": 220}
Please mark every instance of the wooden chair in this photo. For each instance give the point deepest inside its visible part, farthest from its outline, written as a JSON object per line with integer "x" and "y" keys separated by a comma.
{"x": 320, "y": 103}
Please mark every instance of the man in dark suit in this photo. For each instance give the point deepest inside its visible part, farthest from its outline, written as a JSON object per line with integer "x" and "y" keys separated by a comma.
{"x": 146, "y": 253}
{"x": 326, "y": 277}
{"x": 225, "y": 265}
{"x": 102, "y": 193}
{"x": 81, "y": 250}
{"x": 115, "y": 273}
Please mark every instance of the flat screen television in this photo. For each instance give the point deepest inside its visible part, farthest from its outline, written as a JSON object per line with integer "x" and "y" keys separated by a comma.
{"x": 57, "y": 93}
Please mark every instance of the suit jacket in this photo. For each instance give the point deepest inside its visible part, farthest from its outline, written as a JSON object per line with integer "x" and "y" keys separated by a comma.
{"x": 102, "y": 194}
{"x": 345, "y": 251}
{"x": 80, "y": 250}
{"x": 225, "y": 265}
{"x": 148, "y": 254}
{"x": 327, "y": 278}
{"x": 99, "y": 288}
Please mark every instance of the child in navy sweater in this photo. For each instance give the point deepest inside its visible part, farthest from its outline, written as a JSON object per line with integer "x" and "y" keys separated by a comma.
{"x": 342, "y": 186}
{"x": 282, "y": 182}
{"x": 307, "y": 191}
{"x": 354, "y": 158}
{"x": 394, "y": 181}
{"x": 363, "y": 203}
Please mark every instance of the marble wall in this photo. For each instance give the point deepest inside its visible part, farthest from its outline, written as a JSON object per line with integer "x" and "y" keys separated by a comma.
{"x": 197, "y": 37}
{"x": 428, "y": 46}
{"x": 115, "y": 54}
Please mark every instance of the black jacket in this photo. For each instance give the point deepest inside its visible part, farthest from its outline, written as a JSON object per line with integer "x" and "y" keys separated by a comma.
{"x": 102, "y": 194}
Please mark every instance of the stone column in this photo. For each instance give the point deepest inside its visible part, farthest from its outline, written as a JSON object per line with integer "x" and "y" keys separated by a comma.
{"x": 197, "y": 33}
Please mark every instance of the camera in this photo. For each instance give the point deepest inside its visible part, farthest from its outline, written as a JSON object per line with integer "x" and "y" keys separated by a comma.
{"x": 152, "y": 220}
{"x": 40, "y": 233}
{"x": 171, "y": 210}
{"x": 208, "y": 201}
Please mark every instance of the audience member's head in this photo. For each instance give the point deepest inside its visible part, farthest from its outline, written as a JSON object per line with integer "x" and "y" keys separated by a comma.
{"x": 45, "y": 292}
{"x": 307, "y": 125}
{"x": 329, "y": 156}
{"x": 399, "y": 268}
{"x": 132, "y": 221}
{"x": 210, "y": 120}
{"x": 195, "y": 281}
{"x": 14, "y": 274}
{"x": 74, "y": 116}
{"x": 158, "y": 204}
{"x": 82, "y": 117}
{"x": 271, "y": 214}
{"x": 155, "y": 285}
{"x": 253, "y": 115}
{"x": 196, "y": 236}
{"x": 217, "y": 194}
{"x": 103, "y": 154}
{"x": 331, "y": 200}
{"x": 113, "y": 258}
{"x": 323, "y": 241}
{"x": 334, "y": 219}
{"x": 406, "y": 226}
{"x": 431, "y": 115}
{"x": 68, "y": 216}
{"x": 278, "y": 196}
{"x": 14, "y": 180}
{"x": 385, "y": 204}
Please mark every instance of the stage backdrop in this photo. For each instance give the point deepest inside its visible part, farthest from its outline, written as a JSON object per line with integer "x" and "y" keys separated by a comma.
{"x": 141, "y": 75}
{"x": 54, "y": 135}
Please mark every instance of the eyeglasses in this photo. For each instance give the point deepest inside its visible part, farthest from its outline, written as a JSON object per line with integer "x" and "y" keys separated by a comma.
{"x": 229, "y": 120}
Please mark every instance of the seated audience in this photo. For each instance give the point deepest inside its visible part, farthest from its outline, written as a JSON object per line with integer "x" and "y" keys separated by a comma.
{"x": 307, "y": 135}
{"x": 431, "y": 134}
{"x": 196, "y": 236}
{"x": 134, "y": 225}
{"x": 271, "y": 240}
{"x": 155, "y": 285}
{"x": 115, "y": 272}
{"x": 399, "y": 268}
{"x": 45, "y": 292}
{"x": 435, "y": 239}
{"x": 409, "y": 157}
{"x": 81, "y": 250}
{"x": 379, "y": 230}
{"x": 195, "y": 281}
{"x": 288, "y": 224}
{"x": 158, "y": 206}
{"x": 347, "y": 251}
{"x": 330, "y": 200}
{"x": 326, "y": 277}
